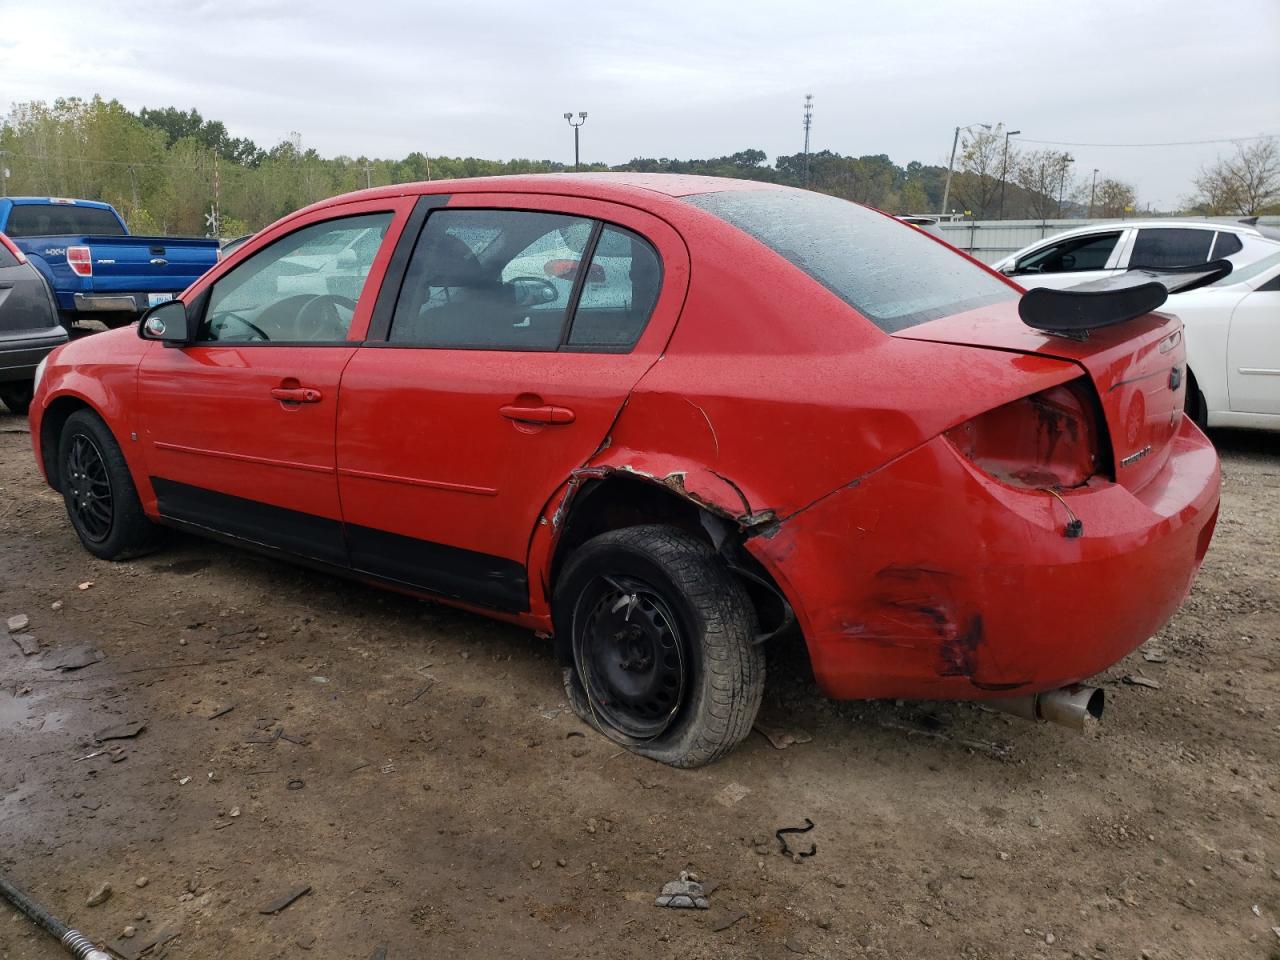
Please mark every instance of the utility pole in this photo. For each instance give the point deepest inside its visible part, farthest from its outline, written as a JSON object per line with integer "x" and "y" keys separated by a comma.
{"x": 582, "y": 118}
{"x": 133, "y": 179}
{"x": 808, "y": 122}
{"x": 1093, "y": 190}
{"x": 1004, "y": 168}
{"x": 4, "y": 175}
{"x": 368, "y": 181}
{"x": 1066, "y": 162}
{"x": 955, "y": 142}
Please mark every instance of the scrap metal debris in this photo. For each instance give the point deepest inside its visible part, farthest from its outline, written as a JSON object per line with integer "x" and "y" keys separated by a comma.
{"x": 17, "y": 622}
{"x": 72, "y": 658}
{"x": 786, "y": 847}
{"x": 222, "y": 712}
{"x": 1155, "y": 656}
{"x": 275, "y": 906}
{"x": 121, "y": 731}
{"x": 781, "y": 739}
{"x": 683, "y": 894}
{"x": 132, "y": 950}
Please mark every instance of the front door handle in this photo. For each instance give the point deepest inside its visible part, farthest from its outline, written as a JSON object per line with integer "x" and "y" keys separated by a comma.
{"x": 296, "y": 394}
{"x": 547, "y": 413}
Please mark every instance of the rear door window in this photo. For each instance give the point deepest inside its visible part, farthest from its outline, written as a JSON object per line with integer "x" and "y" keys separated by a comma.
{"x": 484, "y": 279}
{"x": 491, "y": 280}
{"x": 1170, "y": 247}
{"x": 619, "y": 292}
{"x": 1090, "y": 252}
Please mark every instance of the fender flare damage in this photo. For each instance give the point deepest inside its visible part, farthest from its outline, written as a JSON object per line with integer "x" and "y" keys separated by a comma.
{"x": 726, "y": 514}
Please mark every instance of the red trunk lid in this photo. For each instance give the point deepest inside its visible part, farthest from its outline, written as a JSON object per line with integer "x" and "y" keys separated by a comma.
{"x": 1138, "y": 368}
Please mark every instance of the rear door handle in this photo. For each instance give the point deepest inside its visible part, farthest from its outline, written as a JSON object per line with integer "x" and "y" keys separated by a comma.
{"x": 547, "y": 413}
{"x": 296, "y": 394}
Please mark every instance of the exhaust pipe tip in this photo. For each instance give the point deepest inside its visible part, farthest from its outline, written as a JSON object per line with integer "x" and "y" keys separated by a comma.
{"x": 1077, "y": 707}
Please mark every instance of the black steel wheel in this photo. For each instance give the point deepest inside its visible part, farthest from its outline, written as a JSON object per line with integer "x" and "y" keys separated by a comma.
{"x": 630, "y": 654}
{"x": 88, "y": 488}
{"x": 102, "y": 502}
{"x": 661, "y": 644}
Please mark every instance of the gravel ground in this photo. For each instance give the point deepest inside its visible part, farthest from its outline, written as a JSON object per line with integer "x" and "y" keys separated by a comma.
{"x": 418, "y": 770}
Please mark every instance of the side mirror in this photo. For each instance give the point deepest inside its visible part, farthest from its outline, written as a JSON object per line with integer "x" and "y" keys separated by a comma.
{"x": 166, "y": 322}
{"x": 1010, "y": 269}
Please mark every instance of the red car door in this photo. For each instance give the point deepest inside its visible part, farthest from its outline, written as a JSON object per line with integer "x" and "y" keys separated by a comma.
{"x": 500, "y": 369}
{"x": 238, "y": 426}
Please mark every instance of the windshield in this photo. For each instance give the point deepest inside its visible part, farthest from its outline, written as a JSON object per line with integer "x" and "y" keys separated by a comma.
{"x": 1249, "y": 272}
{"x": 59, "y": 219}
{"x": 891, "y": 273}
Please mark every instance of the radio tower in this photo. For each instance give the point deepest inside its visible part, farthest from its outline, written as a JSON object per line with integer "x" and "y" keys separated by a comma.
{"x": 808, "y": 122}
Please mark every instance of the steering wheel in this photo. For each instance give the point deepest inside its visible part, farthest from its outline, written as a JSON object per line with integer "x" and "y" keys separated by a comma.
{"x": 321, "y": 312}
{"x": 243, "y": 322}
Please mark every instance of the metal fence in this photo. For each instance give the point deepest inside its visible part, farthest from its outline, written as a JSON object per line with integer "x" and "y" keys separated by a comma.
{"x": 992, "y": 240}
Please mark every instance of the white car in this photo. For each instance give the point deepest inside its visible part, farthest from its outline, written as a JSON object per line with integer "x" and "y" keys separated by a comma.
{"x": 1102, "y": 250}
{"x": 1233, "y": 347}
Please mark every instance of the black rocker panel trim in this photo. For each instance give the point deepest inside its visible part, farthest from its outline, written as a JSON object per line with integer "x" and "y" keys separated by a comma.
{"x": 454, "y": 572}
{"x": 466, "y": 575}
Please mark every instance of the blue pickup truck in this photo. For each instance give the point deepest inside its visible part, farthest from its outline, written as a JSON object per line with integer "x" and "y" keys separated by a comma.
{"x": 94, "y": 267}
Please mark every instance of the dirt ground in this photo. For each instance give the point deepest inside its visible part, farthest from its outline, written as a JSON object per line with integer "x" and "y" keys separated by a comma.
{"x": 418, "y": 769}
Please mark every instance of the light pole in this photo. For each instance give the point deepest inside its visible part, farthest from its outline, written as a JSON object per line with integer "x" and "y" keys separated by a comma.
{"x": 1093, "y": 190}
{"x": 955, "y": 141}
{"x": 1004, "y": 167}
{"x": 582, "y": 118}
{"x": 1067, "y": 161}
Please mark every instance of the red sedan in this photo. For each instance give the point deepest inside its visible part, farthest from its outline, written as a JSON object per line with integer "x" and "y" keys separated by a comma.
{"x": 660, "y": 419}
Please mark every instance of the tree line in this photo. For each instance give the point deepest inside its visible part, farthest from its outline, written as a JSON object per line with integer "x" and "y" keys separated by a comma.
{"x": 166, "y": 170}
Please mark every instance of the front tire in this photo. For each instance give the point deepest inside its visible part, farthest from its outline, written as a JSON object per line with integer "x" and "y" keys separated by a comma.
{"x": 102, "y": 502}
{"x": 662, "y": 637}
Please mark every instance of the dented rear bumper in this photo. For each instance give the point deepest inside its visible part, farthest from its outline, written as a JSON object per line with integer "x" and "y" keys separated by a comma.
{"x": 930, "y": 579}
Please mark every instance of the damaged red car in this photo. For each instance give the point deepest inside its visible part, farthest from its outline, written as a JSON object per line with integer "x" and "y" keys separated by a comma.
{"x": 662, "y": 420}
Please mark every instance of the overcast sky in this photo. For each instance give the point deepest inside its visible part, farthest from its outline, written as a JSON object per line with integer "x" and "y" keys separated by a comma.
{"x": 676, "y": 78}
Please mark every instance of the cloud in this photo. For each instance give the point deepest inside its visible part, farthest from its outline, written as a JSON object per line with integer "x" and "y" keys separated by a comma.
{"x": 667, "y": 78}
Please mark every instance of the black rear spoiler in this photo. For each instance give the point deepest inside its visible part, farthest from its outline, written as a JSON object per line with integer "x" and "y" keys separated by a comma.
{"x": 1103, "y": 303}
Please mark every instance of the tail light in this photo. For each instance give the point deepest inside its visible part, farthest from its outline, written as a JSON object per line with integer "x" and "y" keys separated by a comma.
{"x": 1052, "y": 439}
{"x": 12, "y": 248}
{"x": 79, "y": 262}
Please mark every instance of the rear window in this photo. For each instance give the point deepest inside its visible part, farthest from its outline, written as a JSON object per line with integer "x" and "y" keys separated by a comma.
{"x": 52, "y": 220}
{"x": 891, "y": 273}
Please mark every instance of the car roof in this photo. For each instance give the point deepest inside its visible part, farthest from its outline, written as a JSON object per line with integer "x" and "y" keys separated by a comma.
{"x": 639, "y": 189}
{"x": 1158, "y": 225}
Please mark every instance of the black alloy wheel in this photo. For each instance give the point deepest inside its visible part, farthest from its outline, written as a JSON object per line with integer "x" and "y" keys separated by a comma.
{"x": 89, "y": 488}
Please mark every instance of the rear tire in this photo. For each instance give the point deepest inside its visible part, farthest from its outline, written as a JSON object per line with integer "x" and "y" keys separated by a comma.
{"x": 1194, "y": 404}
{"x": 17, "y": 397}
{"x": 662, "y": 635}
{"x": 102, "y": 502}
